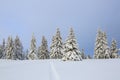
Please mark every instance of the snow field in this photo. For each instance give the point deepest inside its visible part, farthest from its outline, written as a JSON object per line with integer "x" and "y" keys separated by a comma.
{"x": 93, "y": 69}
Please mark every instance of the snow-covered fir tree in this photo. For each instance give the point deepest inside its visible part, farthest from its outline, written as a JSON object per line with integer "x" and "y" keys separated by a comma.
{"x": 32, "y": 52}
{"x": 101, "y": 46}
{"x": 9, "y": 48}
{"x": 2, "y": 50}
{"x": 18, "y": 49}
{"x": 56, "y": 49}
{"x": 106, "y": 47}
{"x": 71, "y": 50}
{"x": 114, "y": 50}
{"x": 43, "y": 52}
{"x": 98, "y": 44}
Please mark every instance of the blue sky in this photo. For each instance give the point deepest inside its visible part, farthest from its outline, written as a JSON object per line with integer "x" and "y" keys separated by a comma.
{"x": 23, "y": 17}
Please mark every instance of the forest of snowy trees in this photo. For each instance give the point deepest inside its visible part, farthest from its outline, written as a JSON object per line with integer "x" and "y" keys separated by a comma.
{"x": 68, "y": 50}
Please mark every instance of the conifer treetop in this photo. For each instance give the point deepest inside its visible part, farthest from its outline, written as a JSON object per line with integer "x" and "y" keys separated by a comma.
{"x": 33, "y": 42}
{"x": 58, "y": 33}
{"x": 71, "y": 34}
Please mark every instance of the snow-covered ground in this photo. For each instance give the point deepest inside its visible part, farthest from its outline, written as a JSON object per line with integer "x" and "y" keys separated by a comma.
{"x": 59, "y": 70}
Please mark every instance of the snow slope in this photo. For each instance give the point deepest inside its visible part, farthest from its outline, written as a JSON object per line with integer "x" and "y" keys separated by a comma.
{"x": 59, "y": 70}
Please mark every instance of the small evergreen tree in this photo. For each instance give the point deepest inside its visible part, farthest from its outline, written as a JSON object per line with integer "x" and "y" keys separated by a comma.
{"x": 43, "y": 49}
{"x": 114, "y": 50}
{"x": 71, "y": 51}
{"x": 1, "y": 53}
{"x": 2, "y": 50}
{"x": 9, "y": 49}
{"x": 118, "y": 52}
{"x": 83, "y": 54}
{"x": 89, "y": 57}
{"x": 26, "y": 54}
{"x": 18, "y": 49}
{"x": 56, "y": 49}
{"x": 33, "y": 52}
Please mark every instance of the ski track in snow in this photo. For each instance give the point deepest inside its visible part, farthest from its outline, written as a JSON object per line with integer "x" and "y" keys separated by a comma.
{"x": 54, "y": 73}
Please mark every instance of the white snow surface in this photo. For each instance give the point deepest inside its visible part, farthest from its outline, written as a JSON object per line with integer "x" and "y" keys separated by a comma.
{"x": 91, "y": 69}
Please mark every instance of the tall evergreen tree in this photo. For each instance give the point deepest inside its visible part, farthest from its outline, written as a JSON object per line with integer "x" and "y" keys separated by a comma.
{"x": 9, "y": 49}
{"x": 18, "y": 49}
{"x": 43, "y": 52}
{"x": 114, "y": 50}
{"x": 71, "y": 50}
{"x": 33, "y": 52}
{"x": 2, "y": 50}
{"x": 98, "y": 44}
{"x": 106, "y": 47}
{"x": 56, "y": 49}
{"x": 101, "y": 46}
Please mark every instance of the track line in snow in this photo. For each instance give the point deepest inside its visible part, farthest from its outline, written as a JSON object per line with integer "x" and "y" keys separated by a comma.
{"x": 54, "y": 73}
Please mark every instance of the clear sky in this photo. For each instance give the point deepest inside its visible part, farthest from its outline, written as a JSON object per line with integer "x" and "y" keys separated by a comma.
{"x": 23, "y": 17}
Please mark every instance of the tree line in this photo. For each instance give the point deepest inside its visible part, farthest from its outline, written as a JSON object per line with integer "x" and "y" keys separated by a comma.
{"x": 68, "y": 50}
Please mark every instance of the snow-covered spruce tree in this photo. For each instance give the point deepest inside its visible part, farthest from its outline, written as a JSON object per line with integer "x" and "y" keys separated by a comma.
{"x": 2, "y": 50}
{"x": 18, "y": 49}
{"x": 106, "y": 47}
{"x": 9, "y": 49}
{"x": 52, "y": 47}
{"x": 71, "y": 50}
{"x": 101, "y": 46}
{"x": 43, "y": 52}
{"x": 33, "y": 52}
{"x": 56, "y": 49}
{"x": 98, "y": 45}
{"x": 114, "y": 50}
